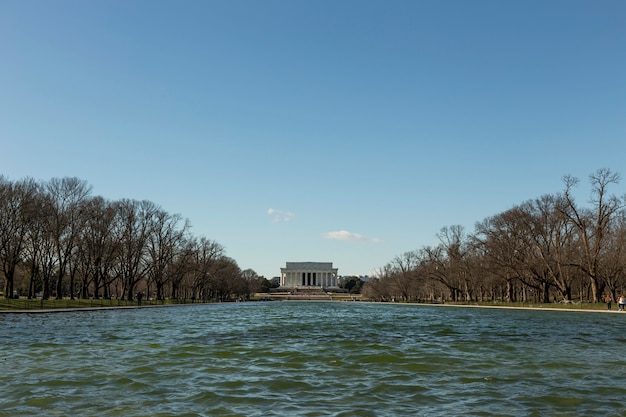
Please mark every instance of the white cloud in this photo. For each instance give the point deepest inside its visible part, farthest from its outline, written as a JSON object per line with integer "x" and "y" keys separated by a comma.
{"x": 279, "y": 216}
{"x": 345, "y": 235}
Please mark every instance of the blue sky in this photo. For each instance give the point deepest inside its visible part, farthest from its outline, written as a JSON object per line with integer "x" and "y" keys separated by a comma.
{"x": 335, "y": 131}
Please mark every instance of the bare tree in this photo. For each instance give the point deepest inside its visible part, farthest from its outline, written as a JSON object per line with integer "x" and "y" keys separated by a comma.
{"x": 99, "y": 247}
{"x": 40, "y": 248}
{"x": 251, "y": 281}
{"x": 377, "y": 288}
{"x": 552, "y": 239}
{"x": 224, "y": 280}
{"x": 181, "y": 265}
{"x": 37, "y": 239}
{"x": 613, "y": 267}
{"x": 593, "y": 224}
{"x": 503, "y": 245}
{"x": 164, "y": 237}
{"x": 55, "y": 230}
{"x": 66, "y": 194}
{"x": 438, "y": 270}
{"x": 207, "y": 252}
{"x": 16, "y": 208}
{"x": 133, "y": 233}
{"x": 404, "y": 275}
{"x": 451, "y": 262}
{"x": 530, "y": 269}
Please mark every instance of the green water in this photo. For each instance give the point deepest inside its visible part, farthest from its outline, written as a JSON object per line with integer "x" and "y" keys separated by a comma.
{"x": 313, "y": 359}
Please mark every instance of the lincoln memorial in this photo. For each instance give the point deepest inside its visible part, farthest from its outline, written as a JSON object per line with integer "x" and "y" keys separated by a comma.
{"x": 308, "y": 274}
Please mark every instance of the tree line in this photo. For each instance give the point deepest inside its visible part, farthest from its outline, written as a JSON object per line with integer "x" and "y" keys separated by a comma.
{"x": 545, "y": 249}
{"x": 58, "y": 240}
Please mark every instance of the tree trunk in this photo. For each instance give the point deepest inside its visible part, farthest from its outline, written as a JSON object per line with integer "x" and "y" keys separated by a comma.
{"x": 46, "y": 286}
{"x": 60, "y": 286}
{"x": 545, "y": 292}
{"x": 595, "y": 293}
{"x": 8, "y": 291}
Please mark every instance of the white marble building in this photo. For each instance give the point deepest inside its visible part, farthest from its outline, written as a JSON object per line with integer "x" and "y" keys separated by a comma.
{"x": 308, "y": 274}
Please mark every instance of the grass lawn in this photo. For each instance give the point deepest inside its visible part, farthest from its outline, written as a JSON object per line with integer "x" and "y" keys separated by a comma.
{"x": 565, "y": 306}
{"x": 24, "y": 303}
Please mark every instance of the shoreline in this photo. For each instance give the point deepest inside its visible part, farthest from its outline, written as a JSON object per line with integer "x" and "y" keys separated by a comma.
{"x": 308, "y": 299}
{"x": 72, "y": 309}
{"x": 535, "y": 308}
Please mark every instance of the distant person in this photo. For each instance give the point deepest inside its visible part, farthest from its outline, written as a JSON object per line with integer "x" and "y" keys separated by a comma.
{"x": 608, "y": 299}
{"x": 139, "y": 297}
{"x": 621, "y": 303}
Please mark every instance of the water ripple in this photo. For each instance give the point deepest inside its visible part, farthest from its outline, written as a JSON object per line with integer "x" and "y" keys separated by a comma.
{"x": 311, "y": 359}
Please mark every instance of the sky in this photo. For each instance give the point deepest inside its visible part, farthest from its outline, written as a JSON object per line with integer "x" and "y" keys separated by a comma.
{"x": 344, "y": 131}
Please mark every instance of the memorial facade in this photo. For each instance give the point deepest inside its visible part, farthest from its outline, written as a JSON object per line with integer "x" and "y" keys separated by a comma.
{"x": 308, "y": 274}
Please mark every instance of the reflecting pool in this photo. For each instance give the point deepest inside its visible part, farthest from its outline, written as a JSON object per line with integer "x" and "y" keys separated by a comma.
{"x": 313, "y": 359}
